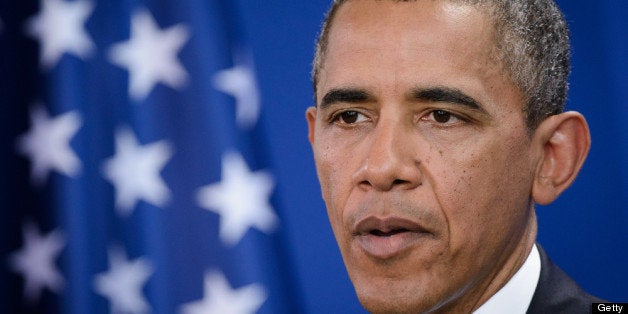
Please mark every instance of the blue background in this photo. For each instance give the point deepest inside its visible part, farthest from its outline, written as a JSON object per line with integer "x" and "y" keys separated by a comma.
{"x": 585, "y": 231}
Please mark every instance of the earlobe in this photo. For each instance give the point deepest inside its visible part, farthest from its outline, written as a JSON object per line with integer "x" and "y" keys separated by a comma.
{"x": 564, "y": 143}
{"x": 310, "y": 116}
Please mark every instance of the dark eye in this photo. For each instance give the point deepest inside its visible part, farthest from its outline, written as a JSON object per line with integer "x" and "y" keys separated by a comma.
{"x": 349, "y": 117}
{"x": 442, "y": 116}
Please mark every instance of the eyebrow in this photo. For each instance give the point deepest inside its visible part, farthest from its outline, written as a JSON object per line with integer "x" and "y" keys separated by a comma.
{"x": 428, "y": 94}
{"x": 347, "y": 95}
{"x": 445, "y": 94}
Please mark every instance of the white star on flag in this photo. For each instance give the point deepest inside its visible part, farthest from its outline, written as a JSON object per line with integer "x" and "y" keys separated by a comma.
{"x": 150, "y": 55}
{"x": 241, "y": 199}
{"x": 122, "y": 283}
{"x": 47, "y": 144}
{"x": 134, "y": 171}
{"x": 60, "y": 28}
{"x": 239, "y": 82}
{"x": 36, "y": 261}
{"x": 219, "y": 298}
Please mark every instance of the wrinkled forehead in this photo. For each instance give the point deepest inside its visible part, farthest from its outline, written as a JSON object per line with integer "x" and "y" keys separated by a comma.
{"x": 406, "y": 21}
{"x": 410, "y": 32}
{"x": 398, "y": 19}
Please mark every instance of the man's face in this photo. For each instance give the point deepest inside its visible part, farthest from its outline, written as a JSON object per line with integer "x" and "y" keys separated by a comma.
{"x": 423, "y": 155}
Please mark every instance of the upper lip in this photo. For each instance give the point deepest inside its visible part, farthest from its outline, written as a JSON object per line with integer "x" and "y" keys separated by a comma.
{"x": 387, "y": 225}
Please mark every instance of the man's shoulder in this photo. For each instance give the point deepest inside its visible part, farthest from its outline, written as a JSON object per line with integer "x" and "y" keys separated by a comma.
{"x": 556, "y": 292}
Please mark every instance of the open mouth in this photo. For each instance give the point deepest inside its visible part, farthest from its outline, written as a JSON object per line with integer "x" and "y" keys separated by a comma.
{"x": 384, "y": 238}
{"x": 380, "y": 233}
{"x": 386, "y": 227}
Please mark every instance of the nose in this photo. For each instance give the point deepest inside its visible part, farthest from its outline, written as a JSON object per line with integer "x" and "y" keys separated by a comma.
{"x": 392, "y": 160}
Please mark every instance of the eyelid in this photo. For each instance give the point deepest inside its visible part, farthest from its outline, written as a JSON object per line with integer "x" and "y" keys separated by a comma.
{"x": 460, "y": 117}
{"x": 335, "y": 116}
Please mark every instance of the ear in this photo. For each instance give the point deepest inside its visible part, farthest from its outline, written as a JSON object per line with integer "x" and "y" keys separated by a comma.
{"x": 564, "y": 143}
{"x": 310, "y": 116}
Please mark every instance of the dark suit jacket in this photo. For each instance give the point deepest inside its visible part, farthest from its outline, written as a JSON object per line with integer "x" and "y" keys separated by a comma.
{"x": 557, "y": 293}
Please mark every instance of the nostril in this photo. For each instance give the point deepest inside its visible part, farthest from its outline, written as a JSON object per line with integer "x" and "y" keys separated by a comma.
{"x": 399, "y": 182}
{"x": 384, "y": 176}
{"x": 365, "y": 183}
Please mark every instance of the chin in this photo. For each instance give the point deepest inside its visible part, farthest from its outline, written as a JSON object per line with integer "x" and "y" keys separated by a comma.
{"x": 391, "y": 296}
{"x": 384, "y": 304}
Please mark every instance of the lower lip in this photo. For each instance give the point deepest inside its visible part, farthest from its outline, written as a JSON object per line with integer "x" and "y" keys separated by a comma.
{"x": 387, "y": 247}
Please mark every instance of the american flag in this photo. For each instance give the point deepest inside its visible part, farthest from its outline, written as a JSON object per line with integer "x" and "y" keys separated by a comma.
{"x": 139, "y": 172}
{"x": 151, "y": 190}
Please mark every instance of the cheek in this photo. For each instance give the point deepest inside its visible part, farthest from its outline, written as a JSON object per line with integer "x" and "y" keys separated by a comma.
{"x": 484, "y": 189}
{"x": 329, "y": 171}
{"x": 334, "y": 173}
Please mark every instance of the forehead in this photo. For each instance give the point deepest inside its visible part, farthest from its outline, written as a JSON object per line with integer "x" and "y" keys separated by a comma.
{"x": 411, "y": 14}
{"x": 435, "y": 39}
{"x": 424, "y": 25}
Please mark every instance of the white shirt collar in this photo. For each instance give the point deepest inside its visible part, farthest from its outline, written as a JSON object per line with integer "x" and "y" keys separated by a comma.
{"x": 516, "y": 295}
